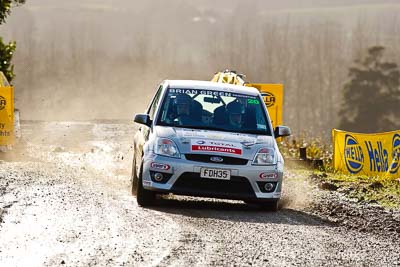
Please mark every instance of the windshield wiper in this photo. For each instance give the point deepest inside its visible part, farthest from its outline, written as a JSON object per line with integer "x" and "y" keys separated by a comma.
{"x": 257, "y": 132}
{"x": 180, "y": 126}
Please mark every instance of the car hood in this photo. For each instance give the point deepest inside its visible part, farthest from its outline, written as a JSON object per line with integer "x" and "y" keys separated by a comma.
{"x": 195, "y": 141}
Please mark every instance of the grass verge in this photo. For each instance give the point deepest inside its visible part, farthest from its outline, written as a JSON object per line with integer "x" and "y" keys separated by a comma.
{"x": 385, "y": 192}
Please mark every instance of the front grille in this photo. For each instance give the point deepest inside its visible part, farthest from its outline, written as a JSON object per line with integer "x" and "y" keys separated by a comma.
{"x": 190, "y": 183}
{"x": 207, "y": 159}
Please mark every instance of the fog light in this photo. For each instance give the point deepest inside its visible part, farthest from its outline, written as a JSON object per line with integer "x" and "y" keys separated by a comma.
{"x": 268, "y": 187}
{"x": 158, "y": 177}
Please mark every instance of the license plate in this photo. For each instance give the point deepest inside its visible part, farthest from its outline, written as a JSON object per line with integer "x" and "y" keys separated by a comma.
{"x": 215, "y": 174}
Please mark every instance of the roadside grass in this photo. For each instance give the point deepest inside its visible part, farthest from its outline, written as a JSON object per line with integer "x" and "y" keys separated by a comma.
{"x": 383, "y": 191}
{"x": 373, "y": 190}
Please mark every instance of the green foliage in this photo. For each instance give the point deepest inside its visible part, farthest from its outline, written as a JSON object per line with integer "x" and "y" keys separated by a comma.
{"x": 316, "y": 148}
{"x": 6, "y": 54}
{"x": 5, "y": 8}
{"x": 372, "y": 95}
{"x": 7, "y": 50}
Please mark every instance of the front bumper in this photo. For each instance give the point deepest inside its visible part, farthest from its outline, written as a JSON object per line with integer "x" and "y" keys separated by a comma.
{"x": 184, "y": 179}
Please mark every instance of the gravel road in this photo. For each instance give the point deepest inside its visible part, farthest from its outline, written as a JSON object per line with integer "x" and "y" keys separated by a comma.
{"x": 65, "y": 201}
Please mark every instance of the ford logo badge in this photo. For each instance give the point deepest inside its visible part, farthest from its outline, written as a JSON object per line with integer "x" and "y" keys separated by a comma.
{"x": 216, "y": 159}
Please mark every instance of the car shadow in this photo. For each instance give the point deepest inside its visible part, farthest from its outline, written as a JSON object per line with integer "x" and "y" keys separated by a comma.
{"x": 236, "y": 211}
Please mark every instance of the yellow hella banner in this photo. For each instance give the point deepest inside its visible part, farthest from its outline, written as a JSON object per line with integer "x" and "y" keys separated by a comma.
{"x": 368, "y": 154}
{"x": 6, "y": 115}
{"x": 273, "y": 99}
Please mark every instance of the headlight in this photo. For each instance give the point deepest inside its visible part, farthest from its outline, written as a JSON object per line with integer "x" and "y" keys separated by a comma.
{"x": 166, "y": 147}
{"x": 264, "y": 156}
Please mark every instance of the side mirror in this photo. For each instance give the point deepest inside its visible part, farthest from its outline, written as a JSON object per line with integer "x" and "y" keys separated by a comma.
{"x": 143, "y": 119}
{"x": 281, "y": 131}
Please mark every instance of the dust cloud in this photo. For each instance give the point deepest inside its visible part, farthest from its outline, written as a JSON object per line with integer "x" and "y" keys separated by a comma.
{"x": 298, "y": 191}
{"x": 103, "y": 59}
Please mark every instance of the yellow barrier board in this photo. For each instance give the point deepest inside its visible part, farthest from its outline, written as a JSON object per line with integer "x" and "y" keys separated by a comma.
{"x": 6, "y": 115}
{"x": 367, "y": 154}
{"x": 273, "y": 99}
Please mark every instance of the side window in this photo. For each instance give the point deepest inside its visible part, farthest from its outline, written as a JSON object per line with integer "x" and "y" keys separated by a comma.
{"x": 155, "y": 102}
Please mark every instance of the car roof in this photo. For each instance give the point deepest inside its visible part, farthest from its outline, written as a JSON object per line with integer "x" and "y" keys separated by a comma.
{"x": 192, "y": 84}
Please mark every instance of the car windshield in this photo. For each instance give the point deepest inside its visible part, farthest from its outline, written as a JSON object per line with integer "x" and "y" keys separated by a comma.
{"x": 214, "y": 110}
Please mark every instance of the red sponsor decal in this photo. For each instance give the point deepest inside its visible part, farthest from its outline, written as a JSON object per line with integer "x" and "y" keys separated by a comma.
{"x": 217, "y": 149}
{"x": 160, "y": 166}
{"x": 265, "y": 175}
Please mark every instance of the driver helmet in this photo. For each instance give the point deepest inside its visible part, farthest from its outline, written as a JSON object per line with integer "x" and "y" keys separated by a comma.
{"x": 235, "y": 111}
{"x": 182, "y": 103}
{"x": 235, "y": 107}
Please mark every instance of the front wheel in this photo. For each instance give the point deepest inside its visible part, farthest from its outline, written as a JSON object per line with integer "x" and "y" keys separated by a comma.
{"x": 271, "y": 206}
{"x": 134, "y": 178}
{"x": 144, "y": 197}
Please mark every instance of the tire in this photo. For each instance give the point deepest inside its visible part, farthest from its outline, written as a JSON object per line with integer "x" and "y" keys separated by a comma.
{"x": 144, "y": 197}
{"x": 272, "y": 206}
{"x": 134, "y": 178}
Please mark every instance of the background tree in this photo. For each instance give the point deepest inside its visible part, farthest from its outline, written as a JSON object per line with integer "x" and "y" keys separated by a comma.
{"x": 5, "y": 8}
{"x": 372, "y": 95}
{"x": 7, "y": 50}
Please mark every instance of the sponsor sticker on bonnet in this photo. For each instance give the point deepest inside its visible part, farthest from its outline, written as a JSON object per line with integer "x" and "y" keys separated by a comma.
{"x": 216, "y": 146}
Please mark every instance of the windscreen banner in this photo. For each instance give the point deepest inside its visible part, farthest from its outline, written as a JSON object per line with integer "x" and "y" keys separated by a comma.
{"x": 367, "y": 154}
{"x": 273, "y": 98}
{"x": 6, "y": 115}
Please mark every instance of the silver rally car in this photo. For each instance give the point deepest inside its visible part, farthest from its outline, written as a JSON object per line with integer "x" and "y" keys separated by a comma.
{"x": 207, "y": 139}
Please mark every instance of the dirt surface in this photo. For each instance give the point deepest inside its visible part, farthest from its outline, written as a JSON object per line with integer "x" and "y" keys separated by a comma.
{"x": 65, "y": 201}
{"x": 338, "y": 204}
